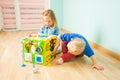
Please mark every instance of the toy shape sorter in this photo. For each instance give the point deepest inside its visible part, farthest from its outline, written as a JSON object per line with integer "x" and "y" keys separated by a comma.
{"x": 39, "y": 49}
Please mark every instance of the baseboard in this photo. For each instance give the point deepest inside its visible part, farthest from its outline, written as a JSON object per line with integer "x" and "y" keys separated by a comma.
{"x": 62, "y": 30}
{"x": 105, "y": 50}
{"x": 98, "y": 47}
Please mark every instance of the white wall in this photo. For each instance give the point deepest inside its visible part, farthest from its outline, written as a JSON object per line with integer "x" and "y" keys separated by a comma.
{"x": 98, "y": 20}
{"x": 57, "y": 6}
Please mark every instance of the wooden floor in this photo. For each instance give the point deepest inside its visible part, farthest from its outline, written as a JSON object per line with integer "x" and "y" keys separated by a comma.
{"x": 77, "y": 69}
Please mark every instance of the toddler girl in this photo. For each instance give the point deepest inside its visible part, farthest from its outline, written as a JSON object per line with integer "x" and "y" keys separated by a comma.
{"x": 49, "y": 26}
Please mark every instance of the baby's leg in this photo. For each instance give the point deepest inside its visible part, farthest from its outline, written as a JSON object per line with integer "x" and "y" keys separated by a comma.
{"x": 68, "y": 56}
{"x": 64, "y": 47}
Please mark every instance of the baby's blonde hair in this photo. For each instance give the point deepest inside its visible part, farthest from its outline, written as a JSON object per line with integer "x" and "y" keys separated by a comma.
{"x": 77, "y": 44}
{"x": 50, "y": 14}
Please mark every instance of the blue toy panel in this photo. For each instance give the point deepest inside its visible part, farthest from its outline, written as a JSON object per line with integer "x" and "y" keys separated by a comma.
{"x": 39, "y": 59}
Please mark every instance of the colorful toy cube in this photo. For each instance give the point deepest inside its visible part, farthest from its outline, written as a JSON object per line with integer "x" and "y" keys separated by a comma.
{"x": 39, "y": 49}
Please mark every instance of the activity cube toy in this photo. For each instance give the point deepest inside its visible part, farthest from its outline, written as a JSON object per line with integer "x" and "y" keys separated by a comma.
{"x": 39, "y": 49}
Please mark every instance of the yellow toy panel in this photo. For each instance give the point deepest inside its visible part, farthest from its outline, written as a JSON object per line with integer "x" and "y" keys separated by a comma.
{"x": 39, "y": 49}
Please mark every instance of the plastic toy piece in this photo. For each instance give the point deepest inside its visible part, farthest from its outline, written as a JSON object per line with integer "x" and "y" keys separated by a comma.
{"x": 33, "y": 58}
{"x": 23, "y": 64}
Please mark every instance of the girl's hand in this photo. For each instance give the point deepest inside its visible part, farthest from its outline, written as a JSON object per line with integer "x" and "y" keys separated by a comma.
{"x": 97, "y": 67}
{"x": 59, "y": 61}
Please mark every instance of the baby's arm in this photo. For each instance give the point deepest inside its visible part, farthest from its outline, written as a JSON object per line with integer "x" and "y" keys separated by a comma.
{"x": 57, "y": 44}
{"x": 95, "y": 65}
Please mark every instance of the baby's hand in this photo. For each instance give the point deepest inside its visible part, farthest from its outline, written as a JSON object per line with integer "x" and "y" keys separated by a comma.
{"x": 59, "y": 61}
{"x": 97, "y": 67}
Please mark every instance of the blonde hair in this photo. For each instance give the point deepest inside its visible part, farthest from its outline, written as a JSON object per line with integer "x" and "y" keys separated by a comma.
{"x": 77, "y": 44}
{"x": 50, "y": 14}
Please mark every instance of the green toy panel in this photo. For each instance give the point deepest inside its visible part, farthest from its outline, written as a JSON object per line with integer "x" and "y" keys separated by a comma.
{"x": 39, "y": 49}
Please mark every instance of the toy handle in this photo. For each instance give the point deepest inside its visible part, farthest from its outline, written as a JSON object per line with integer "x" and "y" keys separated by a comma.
{"x": 31, "y": 34}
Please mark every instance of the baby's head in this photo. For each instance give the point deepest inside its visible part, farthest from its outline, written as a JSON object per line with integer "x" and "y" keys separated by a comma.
{"x": 76, "y": 46}
{"x": 49, "y": 18}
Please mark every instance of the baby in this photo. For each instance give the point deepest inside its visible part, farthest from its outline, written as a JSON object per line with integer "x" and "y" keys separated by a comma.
{"x": 75, "y": 45}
